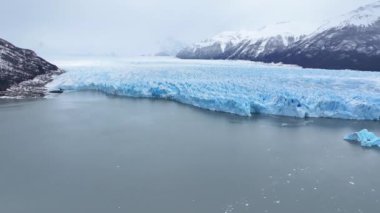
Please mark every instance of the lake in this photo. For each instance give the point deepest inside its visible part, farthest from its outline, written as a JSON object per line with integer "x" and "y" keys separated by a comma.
{"x": 89, "y": 152}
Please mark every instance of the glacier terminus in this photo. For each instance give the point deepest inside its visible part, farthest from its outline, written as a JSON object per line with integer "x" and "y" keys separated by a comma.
{"x": 240, "y": 87}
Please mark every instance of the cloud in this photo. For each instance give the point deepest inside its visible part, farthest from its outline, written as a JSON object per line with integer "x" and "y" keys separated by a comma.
{"x": 127, "y": 27}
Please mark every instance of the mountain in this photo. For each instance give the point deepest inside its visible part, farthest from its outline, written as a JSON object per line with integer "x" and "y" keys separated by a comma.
{"x": 22, "y": 72}
{"x": 351, "y": 41}
{"x": 248, "y": 45}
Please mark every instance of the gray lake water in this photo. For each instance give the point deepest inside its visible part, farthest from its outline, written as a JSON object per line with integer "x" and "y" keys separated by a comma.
{"x": 87, "y": 152}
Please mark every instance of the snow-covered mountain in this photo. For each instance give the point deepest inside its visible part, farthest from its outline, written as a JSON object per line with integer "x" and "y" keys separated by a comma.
{"x": 22, "y": 72}
{"x": 351, "y": 41}
{"x": 247, "y": 44}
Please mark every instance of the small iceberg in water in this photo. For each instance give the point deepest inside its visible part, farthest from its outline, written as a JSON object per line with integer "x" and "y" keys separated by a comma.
{"x": 365, "y": 138}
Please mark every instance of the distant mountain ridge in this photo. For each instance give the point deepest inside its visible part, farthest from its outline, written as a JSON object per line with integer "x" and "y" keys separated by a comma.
{"x": 246, "y": 44}
{"x": 351, "y": 41}
{"x": 22, "y": 72}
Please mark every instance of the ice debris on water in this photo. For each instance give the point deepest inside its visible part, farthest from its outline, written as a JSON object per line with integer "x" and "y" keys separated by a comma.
{"x": 365, "y": 138}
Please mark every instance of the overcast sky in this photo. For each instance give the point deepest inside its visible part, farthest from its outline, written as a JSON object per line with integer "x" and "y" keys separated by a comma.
{"x": 134, "y": 27}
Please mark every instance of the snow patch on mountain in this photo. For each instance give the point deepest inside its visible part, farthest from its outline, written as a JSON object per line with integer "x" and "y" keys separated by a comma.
{"x": 284, "y": 30}
{"x": 362, "y": 17}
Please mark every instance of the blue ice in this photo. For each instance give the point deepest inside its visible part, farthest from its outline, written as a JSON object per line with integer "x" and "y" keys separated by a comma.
{"x": 365, "y": 138}
{"x": 238, "y": 87}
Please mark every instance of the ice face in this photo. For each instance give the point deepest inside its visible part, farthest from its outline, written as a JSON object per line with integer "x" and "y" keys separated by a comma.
{"x": 238, "y": 87}
{"x": 365, "y": 138}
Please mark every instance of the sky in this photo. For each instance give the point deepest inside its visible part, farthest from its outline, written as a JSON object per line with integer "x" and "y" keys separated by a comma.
{"x": 138, "y": 27}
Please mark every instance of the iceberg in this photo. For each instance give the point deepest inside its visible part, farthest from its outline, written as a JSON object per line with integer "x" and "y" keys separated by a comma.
{"x": 240, "y": 87}
{"x": 365, "y": 138}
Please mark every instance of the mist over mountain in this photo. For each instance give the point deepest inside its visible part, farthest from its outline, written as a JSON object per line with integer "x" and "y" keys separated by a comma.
{"x": 170, "y": 47}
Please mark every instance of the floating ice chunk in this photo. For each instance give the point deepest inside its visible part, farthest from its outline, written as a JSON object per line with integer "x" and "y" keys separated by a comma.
{"x": 365, "y": 138}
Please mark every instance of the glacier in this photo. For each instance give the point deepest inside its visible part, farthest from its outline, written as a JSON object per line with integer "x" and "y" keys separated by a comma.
{"x": 240, "y": 87}
{"x": 365, "y": 138}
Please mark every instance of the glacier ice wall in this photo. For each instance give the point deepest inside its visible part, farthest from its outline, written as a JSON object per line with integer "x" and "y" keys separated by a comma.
{"x": 238, "y": 87}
